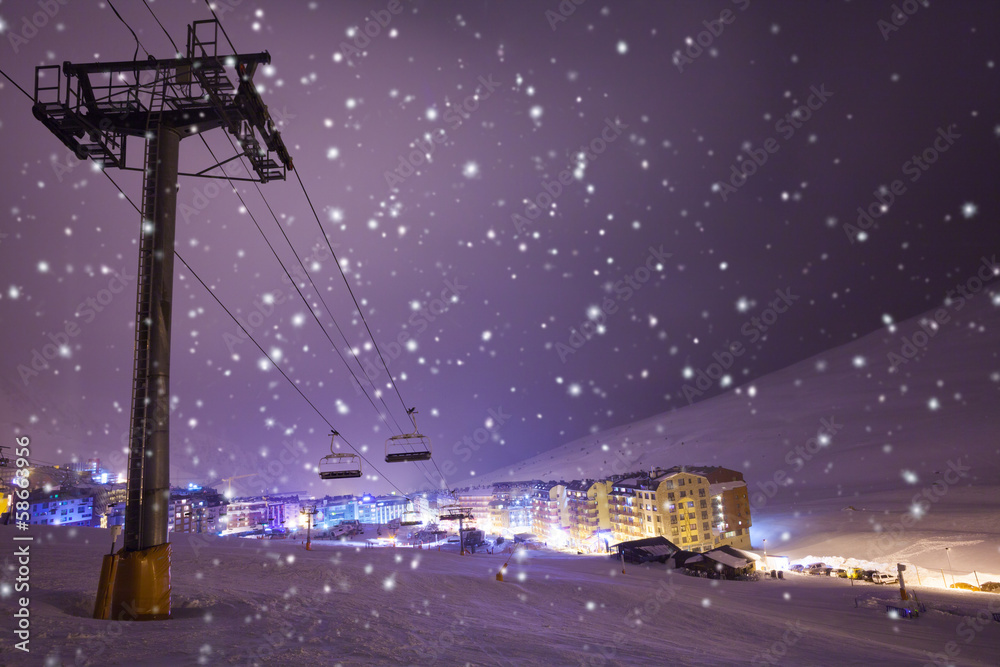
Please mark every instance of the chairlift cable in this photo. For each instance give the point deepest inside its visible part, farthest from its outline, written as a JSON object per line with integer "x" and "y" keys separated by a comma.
{"x": 280, "y": 370}
{"x": 339, "y": 268}
{"x": 295, "y": 284}
{"x": 254, "y": 341}
{"x": 150, "y": 8}
{"x": 361, "y": 312}
{"x": 287, "y": 240}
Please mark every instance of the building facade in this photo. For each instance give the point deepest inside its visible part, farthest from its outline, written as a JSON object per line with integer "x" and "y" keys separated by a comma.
{"x": 380, "y": 510}
{"x": 478, "y": 499}
{"x": 60, "y": 508}
{"x": 196, "y": 511}
{"x": 247, "y": 514}
{"x": 696, "y": 508}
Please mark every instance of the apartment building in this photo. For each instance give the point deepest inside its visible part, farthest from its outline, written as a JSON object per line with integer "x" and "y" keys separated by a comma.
{"x": 549, "y": 513}
{"x": 196, "y": 511}
{"x": 247, "y": 514}
{"x": 478, "y": 499}
{"x": 696, "y": 508}
{"x": 380, "y": 510}
{"x": 60, "y": 508}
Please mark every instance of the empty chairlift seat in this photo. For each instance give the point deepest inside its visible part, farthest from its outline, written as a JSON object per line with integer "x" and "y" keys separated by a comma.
{"x": 409, "y": 446}
{"x": 339, "y": 465}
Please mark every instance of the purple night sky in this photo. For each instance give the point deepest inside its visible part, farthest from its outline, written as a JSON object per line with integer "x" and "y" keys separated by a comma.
{"x": 664, "y": 132}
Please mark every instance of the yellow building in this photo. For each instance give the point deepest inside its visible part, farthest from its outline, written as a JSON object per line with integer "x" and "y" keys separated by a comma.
{"x": 588, "y": 507}
{"x": 679, "y": 509}
{"x": 696, "y": 508}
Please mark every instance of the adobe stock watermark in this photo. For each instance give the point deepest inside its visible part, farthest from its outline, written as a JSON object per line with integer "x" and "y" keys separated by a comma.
{"x": 552, "y": 190}
{"x": 635, "y": 619}
{"x": 753, "y": 329}
{"x": 464, "y": 448}
{"x": 60, "y": 340}
{"x": 624, "y": 289}
{"x": 695, "y": 47}
{"x": 921, "y": 503}
{"x": 796, "y": 458}
{"x": 419, "y": 321}
{"x": 376, "y": 22}
{"x": 19, "y": 36}
{"x": 204, "y": 194}
{"x": 967, "y": 630}
{"x": 786, "y": 127}
{"x": 915, "y": 167}
{"x": 900, "y": 14}
{"x": 779, "y": 648}
{"x": 71, "y": 161}
{"x": 266, "y": 304}
{"x": 562, "y": 12}
{"x": 913, "y": 344}
{"x": 423, "y": 149}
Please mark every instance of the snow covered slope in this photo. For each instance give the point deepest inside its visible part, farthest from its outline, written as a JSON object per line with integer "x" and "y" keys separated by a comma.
{"x": 250, "y": 602}
{"x": 914, "y": 450}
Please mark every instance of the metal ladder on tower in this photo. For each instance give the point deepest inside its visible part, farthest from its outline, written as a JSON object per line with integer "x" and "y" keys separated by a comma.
{"x": 139, "y": 429}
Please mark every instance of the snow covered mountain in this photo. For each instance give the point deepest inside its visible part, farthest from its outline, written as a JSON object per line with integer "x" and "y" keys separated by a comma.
{"x": 900, "y": 425}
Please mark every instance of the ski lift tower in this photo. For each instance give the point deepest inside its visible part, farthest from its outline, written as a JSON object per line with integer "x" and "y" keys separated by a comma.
{"x": 93, "y": 112}
{"x": 459, "y": 514}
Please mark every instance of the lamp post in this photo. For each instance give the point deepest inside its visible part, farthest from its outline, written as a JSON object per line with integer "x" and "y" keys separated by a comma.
{"x": 766, "y": 566}
{"x": 309, "y": 512}
{"x": 947, "y": 552}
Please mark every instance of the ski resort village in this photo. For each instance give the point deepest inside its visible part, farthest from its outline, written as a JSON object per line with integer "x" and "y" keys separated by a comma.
{"x": 523, "y": 333}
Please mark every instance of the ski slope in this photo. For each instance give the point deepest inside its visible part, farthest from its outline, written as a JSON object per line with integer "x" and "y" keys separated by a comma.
{"x": 250, "y": 602}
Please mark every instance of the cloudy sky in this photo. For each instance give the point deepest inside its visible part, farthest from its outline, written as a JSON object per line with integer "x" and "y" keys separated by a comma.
{"x": 555, "y": 222}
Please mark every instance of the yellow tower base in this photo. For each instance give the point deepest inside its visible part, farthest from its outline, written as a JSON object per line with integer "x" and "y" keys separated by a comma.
{"x": 142, "y": 585}
{"x": 102, "y": 606}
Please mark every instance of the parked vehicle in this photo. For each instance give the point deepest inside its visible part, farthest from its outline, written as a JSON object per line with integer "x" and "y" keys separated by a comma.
{"x": 883, "y": 578}
{"x": 866, "y": 575}
{"x": 991, "y": 587}
{"x": 965, "y": 587}
{"x": 839, "y": 572}
{"x": 798, "y": 567}
{"x": 819, "y": 568}
{"x": 855, "y": 573}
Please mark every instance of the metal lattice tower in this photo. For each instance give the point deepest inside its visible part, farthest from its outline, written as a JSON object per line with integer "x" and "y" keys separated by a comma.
{"x": 93, "y": 109}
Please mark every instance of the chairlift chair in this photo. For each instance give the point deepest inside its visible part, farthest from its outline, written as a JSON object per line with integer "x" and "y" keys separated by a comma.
{"x": 409, "y": 446}
{"x": 339, "y": 465}
{"x": 455, "y": 513}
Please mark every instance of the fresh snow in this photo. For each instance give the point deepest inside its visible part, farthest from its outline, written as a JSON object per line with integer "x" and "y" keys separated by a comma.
{"x": 245, "y": 601}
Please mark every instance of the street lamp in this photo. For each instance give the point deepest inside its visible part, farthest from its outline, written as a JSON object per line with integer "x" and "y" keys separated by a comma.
{"x": 947, "y": 552}
{"x": 766, "y": 566}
